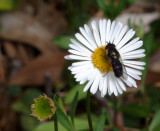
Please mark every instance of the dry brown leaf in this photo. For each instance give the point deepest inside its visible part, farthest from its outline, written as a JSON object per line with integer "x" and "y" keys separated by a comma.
{"x": 35, "y": 72}
{"x": 23, "y": 54}
{"x": 37, "y": 31}
{"x": 3, "y": 72}
{"x": 10, "y": 49}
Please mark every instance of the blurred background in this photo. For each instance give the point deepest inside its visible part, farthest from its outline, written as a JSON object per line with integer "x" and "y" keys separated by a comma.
{"x": 34, "y": 38}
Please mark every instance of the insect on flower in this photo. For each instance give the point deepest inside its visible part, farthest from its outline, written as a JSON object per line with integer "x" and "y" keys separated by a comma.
{"x": 105, "y": 54}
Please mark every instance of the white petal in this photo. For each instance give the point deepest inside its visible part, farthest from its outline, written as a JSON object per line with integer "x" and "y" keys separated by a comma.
{"x": 88, "y": 85}
{"x": 84, "y": 41}
{"x": 100, "y": 28}
{"x": 95, "y": 84}
{"x": 82, "y": 75}
{"x": 88, "y": 37}
{"x": 101, "y": 83}
{"x": 134, "y": 62}
{"x": 93, "y": 74}
{"x": 113, "y": 85}
{"x": 78, "y": 53}
{"x": 75, "y": 57}
{"x": 116, "y": 31}
{"x": 103, "y": 39}
{"x": 66, "y": 57}
{"x": 121, "y": 84}
{"x": 132, "y": 47}
{"x": 89, "y": 69}
{"x": 134, "y": 52}
{"x": 135, "y": 76}
{"x": 105, "y": 85}
{"x": 96, "y": 33}
{"x": 121, "y": 34}
{"x": 81, "y": 63}
{"x": 132, "y": 81}
{"x": 88, "y": 31}
{"x": 126, "y": 38}
{"x": 133, "y": 56}
{"x": 108, "y": 30}
{"x": 80, "y": 46}
{"x": 135, "y": 66}
{"x": 82, "y": 81}
{"x": 127, "y": 82}
{"x": 131, "y": 43}
{"x": 118, "y": 86}
{"x": 75, "y": 68}
{"x": 111, "y": 31}
{"x": 102, "y": 94}
{"x": 72, "y": 46}
{"x": 133, "y": 71}
{"x": 97, "y": 38}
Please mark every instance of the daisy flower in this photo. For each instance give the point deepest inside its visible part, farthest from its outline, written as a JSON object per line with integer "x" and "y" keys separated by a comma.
{"x": 95, "y": 67}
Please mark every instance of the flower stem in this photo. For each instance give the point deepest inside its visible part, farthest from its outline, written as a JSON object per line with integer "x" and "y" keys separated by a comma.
{"x": 88, "y": 111}
{"x": 55, "y": 122}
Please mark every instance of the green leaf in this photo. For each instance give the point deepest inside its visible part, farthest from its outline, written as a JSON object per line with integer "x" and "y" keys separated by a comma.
{"x": 130, "y": 121}
{"x": 116, "y": 128}
{"x": 60, "y": 104}
{"x": 155, "y": 124}
{"x": 62, "y": 41}
{"x": 48, "y": 126}
{"x": 19, "y": 106}
{"x": 109, "y": 5}
{"x": 28, "y": 122}
{"x": 70, "y": 95}
{"x": 148, "y": 43}
{"x": 100, "y": 123}
{"x": 29, "y": 95}
{"x": 155, "y": 25}
{"x": 80, "y": 124}
{"x": 139, "y": 110}
{"x": 102, "y": 4}
{"x": 13, "y": 90}
{"x": 154, "y": 95}
{"x": 9, "y": 4}
{"x": 73, "y": 107}
{"x": 63, "y": 119}
{"x": 77, "y": 19}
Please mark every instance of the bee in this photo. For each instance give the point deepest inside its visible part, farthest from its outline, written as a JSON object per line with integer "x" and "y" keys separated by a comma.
{"x": 115, "y": 60}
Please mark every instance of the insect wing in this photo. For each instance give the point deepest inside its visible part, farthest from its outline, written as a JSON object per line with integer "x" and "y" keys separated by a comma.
{"x": 124, "y": 75}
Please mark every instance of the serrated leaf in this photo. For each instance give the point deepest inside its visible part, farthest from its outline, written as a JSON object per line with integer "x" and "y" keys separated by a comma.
{"x": 63, "y": 119}
{"x": 70, "y": 95}
{"x": 100, "y": 123}
{"x": 62, "y": 41}
{"x": 73, "y": 107}
{"x": 155, "y": 124}
{"x": 139, "y": 110}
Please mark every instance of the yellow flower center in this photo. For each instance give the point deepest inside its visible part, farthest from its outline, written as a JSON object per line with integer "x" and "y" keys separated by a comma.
{"x": 100, "y": 60}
